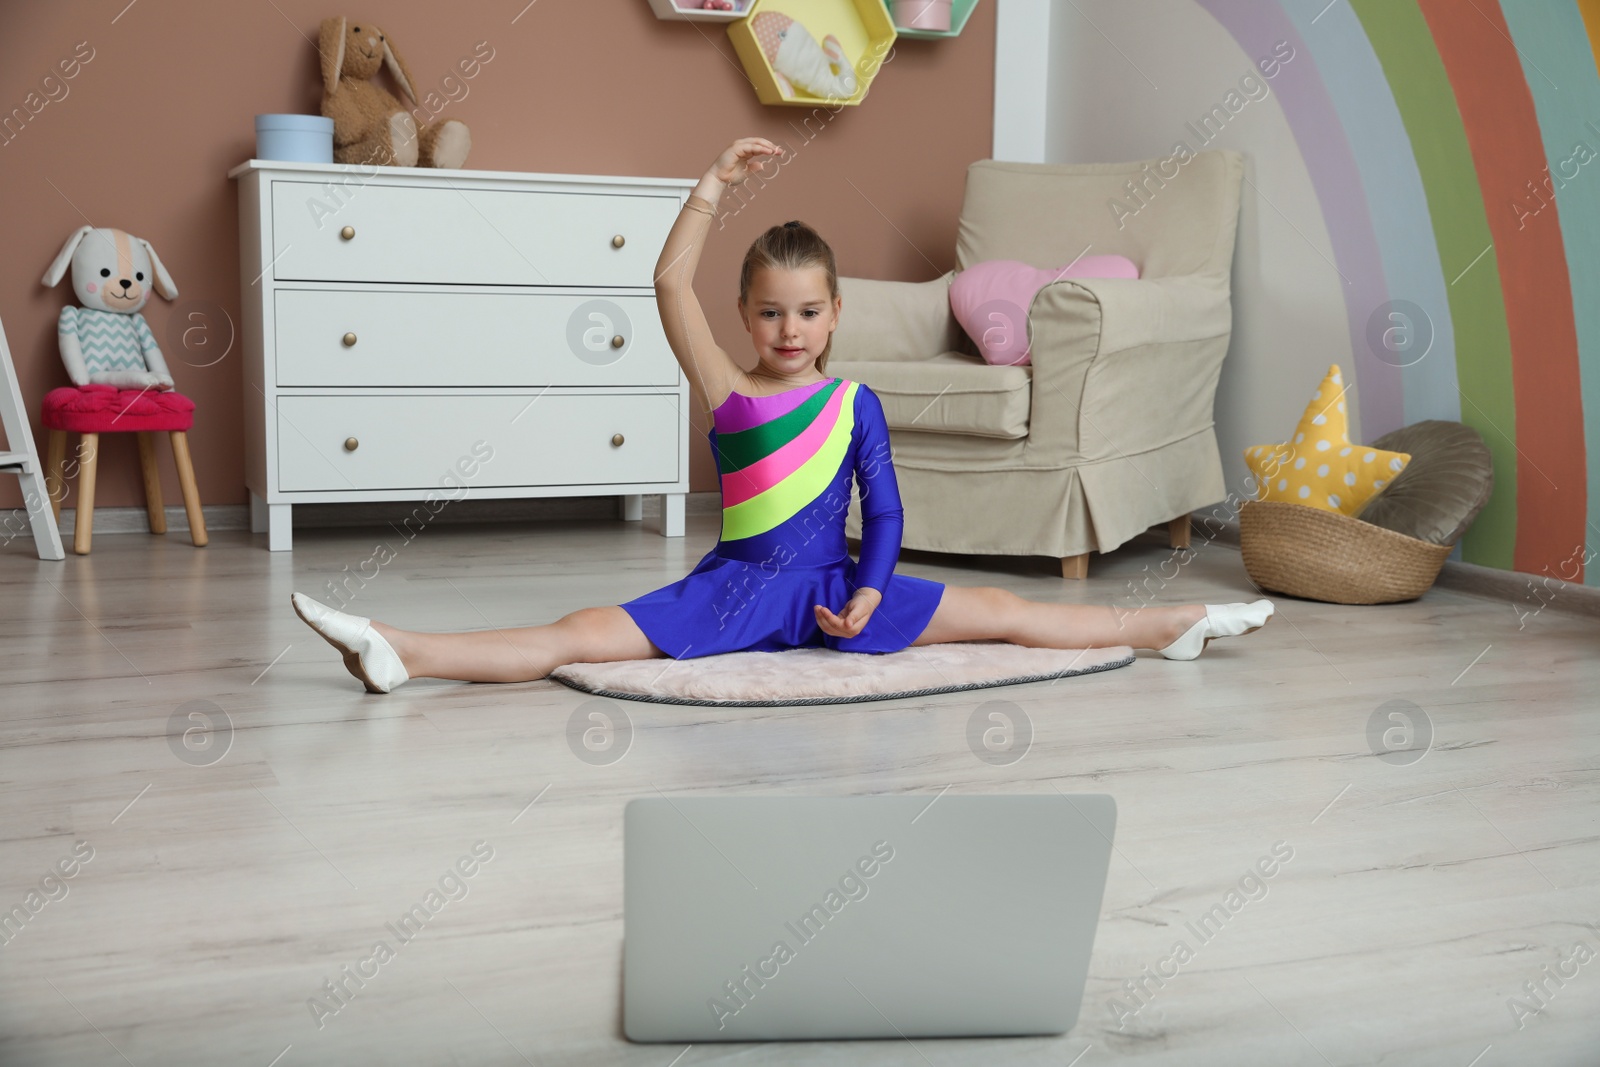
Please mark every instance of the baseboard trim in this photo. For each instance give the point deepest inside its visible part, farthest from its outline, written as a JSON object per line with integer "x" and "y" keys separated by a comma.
{"x": 128, "y": 520}
{"x": 1519, "y": 588}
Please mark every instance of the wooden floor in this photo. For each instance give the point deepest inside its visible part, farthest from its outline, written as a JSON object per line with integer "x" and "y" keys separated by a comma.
{"x": 213, "y": 896}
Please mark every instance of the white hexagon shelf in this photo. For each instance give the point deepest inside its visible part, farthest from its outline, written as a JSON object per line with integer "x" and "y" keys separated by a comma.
{"x": 691, "y": 11}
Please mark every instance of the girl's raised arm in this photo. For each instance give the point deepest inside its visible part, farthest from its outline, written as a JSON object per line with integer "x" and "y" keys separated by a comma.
{"x": 709, "y": 368}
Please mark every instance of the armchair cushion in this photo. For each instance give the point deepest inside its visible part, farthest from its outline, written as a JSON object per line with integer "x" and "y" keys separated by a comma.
{"x": 991, "y": 300}
{"x": 951, "y": 393}
{"x": 885, "y": 321}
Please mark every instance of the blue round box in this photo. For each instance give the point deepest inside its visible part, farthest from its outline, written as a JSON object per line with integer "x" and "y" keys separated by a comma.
{"x": 294, "y": 138}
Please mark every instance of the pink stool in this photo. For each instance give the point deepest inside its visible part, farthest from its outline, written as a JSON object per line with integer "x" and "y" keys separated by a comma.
{"x": 92, "y": 410}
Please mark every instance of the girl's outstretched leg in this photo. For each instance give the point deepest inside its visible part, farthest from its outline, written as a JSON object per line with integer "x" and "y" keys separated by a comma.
{"x": 989, "y": 613}
{"x": 383, "y": 656}
{"x": 523, "y": 654}
{"x": 980, "y": 613}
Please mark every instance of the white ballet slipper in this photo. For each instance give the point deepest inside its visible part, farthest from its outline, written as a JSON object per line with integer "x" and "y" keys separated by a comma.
{"x": 366, "y": 654}
{"x": 1221, "y": 620}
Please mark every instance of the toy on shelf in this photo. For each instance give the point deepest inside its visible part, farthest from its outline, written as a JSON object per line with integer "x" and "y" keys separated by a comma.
{"x": 369, "y": 124}
{"x": 799, "y": 61}
{"x": 700, "y": 10}
{"x": 921, "y": 14}
{"x": 788, "y": 64}
{"x": 930, "y": 18}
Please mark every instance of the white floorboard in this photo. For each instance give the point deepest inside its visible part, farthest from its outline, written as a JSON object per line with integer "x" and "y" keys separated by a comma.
{"x": 220, "y": 897}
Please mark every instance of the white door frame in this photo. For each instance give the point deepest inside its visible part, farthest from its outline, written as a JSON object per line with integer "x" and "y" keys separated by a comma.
{"x": 1022, "y": 80}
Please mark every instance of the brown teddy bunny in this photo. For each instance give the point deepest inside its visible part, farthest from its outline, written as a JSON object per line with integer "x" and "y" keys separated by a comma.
{"x": 369, "y": 124}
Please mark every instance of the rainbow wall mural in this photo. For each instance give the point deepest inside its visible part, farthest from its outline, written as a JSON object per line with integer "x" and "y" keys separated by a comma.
{"x": 1454, "y": 148}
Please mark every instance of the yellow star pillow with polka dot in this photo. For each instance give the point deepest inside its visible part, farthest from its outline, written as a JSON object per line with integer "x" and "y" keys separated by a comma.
{"x": 1319, "y": 467}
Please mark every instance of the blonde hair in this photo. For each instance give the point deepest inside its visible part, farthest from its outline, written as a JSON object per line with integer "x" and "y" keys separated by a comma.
{"x": 791, "y": 246}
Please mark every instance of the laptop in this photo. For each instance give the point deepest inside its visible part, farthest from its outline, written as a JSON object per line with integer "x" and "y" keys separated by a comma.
{"x": 750, "y": 918}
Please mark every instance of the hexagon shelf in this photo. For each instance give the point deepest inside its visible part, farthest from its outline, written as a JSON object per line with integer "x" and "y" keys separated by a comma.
{"x": 689, "y": 11}
{"x": 865, "y": 36}
{"x": 960, "y": 11}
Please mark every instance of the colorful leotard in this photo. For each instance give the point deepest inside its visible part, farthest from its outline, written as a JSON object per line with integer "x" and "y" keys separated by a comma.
{"x": 785, "y": 464}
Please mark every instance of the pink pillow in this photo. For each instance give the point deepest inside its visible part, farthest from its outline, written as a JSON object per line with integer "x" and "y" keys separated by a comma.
{"x": 991, "y": 300}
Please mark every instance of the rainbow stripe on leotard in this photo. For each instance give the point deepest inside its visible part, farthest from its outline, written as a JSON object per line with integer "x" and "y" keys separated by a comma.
{"x": 776, "y": 455}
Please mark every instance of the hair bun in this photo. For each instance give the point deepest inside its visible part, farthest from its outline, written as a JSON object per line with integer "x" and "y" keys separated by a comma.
{"x": 792, "y": 224}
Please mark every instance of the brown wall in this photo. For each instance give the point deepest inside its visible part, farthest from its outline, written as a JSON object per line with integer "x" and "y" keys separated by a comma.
{"x": 147, "y": 129}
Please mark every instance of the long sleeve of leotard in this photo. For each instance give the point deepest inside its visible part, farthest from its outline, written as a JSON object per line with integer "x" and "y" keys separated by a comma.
{"x": 882, "y": 517}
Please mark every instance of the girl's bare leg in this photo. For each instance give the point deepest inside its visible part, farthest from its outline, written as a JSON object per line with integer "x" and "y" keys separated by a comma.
{"x": 988, "y": 613}
{"x": 524, "y": 654}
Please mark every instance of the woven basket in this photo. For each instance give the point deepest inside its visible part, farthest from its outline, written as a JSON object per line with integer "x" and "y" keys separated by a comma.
{"x": 1324, "y": 555}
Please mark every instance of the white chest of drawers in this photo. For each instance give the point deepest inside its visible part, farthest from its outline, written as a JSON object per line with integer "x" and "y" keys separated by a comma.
{"x": 427, "y": 335}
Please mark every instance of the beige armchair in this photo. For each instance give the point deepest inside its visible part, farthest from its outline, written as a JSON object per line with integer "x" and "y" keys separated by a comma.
{"x": 1109, "y": 432}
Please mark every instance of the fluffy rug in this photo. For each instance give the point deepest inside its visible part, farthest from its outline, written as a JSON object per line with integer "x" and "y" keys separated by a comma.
{"x": 822, "y": 676}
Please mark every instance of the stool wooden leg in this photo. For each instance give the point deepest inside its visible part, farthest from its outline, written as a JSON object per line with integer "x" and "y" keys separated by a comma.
{"x": 191, "y": 491}
{"x": 55, "y": 465}
{"x": 1075, "y": 566}
{"x": 83, "y": 532}
{"x": 152, "y": 483}
{"x": 1178, "y": 532}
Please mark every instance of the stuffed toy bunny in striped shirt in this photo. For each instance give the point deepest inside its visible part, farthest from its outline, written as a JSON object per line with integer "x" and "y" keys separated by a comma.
{"x": 106, "y": 341}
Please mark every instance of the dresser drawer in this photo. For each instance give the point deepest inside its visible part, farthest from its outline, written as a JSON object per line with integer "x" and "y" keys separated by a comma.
{"x": 466, "y": 236}
{"x": 414, "y": 442}
{"x": 468, "y": 339}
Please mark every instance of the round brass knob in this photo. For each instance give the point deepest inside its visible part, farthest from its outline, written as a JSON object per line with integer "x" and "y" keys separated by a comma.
{"x": 351, "y": 444}
{"x": 617, "y": 341}
{"x": 349, "y": 340}
{"x": 616, "y": 438}
{"x": 618, "y": 241}
{"x": 348, "y": 233}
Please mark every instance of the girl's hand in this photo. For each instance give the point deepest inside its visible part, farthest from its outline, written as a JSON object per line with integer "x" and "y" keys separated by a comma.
{"x": 854, "y": 618}
{"x": 746, "y": 156}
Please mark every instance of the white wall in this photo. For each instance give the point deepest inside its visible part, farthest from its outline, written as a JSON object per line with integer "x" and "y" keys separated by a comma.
{"x": 1022, "y": 68}
{"x": 1121, "y": 81}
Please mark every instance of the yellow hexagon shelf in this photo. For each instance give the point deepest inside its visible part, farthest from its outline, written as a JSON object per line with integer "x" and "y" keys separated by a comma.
{"x": 862, "y": 27}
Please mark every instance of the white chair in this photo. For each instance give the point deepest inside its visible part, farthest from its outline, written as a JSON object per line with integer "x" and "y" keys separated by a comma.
{"x": 21, "y": 459}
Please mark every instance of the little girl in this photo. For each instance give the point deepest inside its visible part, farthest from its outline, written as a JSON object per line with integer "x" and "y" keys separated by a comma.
{"x": 788, "y": 440}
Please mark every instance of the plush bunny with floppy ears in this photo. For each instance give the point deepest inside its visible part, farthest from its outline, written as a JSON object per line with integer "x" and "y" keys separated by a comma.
{"x": 369, "y": 124}
{"x": 107, "y": 341}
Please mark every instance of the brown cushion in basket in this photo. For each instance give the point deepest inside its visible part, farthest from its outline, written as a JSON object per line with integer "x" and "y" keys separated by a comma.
{"x": 1441, "y": 490}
